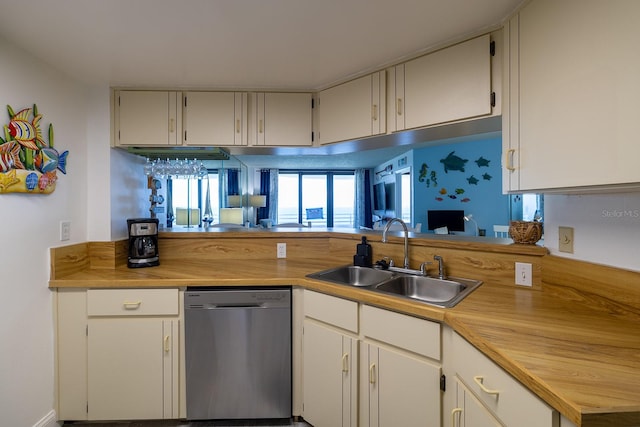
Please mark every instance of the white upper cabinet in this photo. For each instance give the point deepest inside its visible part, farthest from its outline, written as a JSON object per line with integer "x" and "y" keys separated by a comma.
{"x": 147, "y": 118}
{"x": 281, "y": 119}
{"x": 352, "y": 110}
{"x": 571, "y": 94}
{"x": 215, "y": 118}
{"x": 450, "y": 84}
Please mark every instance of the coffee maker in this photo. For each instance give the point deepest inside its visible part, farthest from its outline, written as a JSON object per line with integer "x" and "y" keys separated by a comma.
{"x": 143, "y": 242}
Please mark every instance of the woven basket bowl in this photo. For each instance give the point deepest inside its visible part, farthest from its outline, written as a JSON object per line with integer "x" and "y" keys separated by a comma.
{"x": 525, "y": 232}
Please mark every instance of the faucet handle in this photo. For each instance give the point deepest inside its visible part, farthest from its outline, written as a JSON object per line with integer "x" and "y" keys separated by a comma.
{"x": 423, "y": 267}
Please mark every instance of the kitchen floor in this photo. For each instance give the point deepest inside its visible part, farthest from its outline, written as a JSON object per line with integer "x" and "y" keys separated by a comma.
{"x": 182, "y": 423}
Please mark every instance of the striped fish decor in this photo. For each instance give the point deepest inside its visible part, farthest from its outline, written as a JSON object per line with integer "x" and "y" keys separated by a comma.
{"x": 28, "y": 164}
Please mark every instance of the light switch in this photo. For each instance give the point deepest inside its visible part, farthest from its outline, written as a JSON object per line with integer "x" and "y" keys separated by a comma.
{"x": 565, "y": 239}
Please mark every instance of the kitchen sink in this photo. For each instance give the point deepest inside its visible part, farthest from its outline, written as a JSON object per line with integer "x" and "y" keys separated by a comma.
{"x": 353, "y": 275}
{"x": 441, "y": 292}
{"x": 430, "y": 290}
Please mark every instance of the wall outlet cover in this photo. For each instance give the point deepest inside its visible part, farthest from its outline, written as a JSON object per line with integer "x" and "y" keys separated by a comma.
{"x": 281, "y": 250}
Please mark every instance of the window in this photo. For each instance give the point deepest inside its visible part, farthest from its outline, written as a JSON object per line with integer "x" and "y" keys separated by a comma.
{"x": 325, "y": 199}
{"x": 192, "y": 194}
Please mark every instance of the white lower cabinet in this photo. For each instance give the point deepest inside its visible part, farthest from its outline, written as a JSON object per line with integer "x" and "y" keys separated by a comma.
{"x": 358, "y": 372}
{"x": 118, "y": 354}
{"x": 330, "y": 361}
{"x": 469, "y": 412}
{"x": 402, "y": 390}
{"x": 482, "y": 394}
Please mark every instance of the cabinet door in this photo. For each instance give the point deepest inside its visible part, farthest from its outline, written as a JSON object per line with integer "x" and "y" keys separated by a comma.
{"x": 470, "y": 412}
{"x": 576, "y": 94}
{"x": 352, "y": 110}
{"x": 147, "y": 118}
{"x": 282, "y": 119}
{"x": 132, "y": 368}
{"x": 451, "y": 84}
{"x": 402, "y": 390}
{"x": 329, "y": 372}
{"x": 215, "y": 118}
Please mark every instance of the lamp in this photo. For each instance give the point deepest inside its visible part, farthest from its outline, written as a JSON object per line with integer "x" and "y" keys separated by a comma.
{"x": 468, "y": 218}
{"x": 234, "y": 201}
{"x": 231, "y": 216}
{"x": 257, "y": 201}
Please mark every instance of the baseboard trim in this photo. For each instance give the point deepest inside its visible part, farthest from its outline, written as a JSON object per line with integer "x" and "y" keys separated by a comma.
{"x": 48, "y": 420}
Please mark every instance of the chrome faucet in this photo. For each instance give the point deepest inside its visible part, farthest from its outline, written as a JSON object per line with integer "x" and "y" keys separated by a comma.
{"x": 406, "y": 238}
{"x": 441, "y": 274}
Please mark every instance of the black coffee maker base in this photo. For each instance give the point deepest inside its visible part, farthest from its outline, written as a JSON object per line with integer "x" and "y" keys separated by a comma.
{"x": 137, "y": 263}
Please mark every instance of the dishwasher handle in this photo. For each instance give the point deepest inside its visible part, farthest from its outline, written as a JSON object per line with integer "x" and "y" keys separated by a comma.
{"x": 215, "y": 306}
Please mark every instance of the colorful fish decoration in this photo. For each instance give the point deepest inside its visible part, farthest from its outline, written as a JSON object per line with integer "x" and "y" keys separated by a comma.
{"x": 453, "y": 163}
{"x": 27, "y": 163}
{"x": 482, "y": 162}
{"x": 465, "y": 200}
{"x": 459, "y": 190}
{"x": 453, "y": 196}
{"x": 10, "y": 157}
{"x": 25, "y": 131}
{"x": 443, "y": 191}
{"x": 439, "y": 199}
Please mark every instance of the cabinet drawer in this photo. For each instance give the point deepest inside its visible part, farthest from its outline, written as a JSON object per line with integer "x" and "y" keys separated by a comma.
{"x": 498, "y": 391}
{"x": 407, "y": 332}
{"x": 335, "y": 311}
{"x": 132, "y": 302}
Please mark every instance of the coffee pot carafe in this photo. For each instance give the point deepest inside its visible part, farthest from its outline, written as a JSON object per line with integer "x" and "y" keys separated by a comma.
{"x": 143, "y": 242}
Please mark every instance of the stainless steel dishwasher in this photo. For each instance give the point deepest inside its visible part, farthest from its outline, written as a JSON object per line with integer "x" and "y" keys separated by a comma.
{"x": 238, "y": 353}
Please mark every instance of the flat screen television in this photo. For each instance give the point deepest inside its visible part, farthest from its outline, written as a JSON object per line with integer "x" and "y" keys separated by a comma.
{"x": 452, "y": 219}
{"x": 379, "y": 197}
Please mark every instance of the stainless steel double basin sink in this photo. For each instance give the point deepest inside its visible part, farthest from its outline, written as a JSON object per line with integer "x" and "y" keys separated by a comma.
{"x": 430, "y": 290}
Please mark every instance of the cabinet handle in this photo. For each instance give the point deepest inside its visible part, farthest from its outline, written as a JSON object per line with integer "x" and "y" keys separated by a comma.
{"x": 260, "y": 126}
{"x": 171, "y": 125}
{"x": 454, "y": 412}
{"x": 131, "y": 305}
{"x": 399, "y": 106}
{"x": 345, "y": 362}
{"x": 374, "y": 112}
{"x": 479, "y": 380}
{"x": 166, "y": 344}
{"x": 237, "y": 125}
{"x": 509, "y": 159}
{"x": 372, "y": 373}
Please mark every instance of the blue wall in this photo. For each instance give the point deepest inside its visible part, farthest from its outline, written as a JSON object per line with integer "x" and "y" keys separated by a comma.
{"x": 477, "y": 190}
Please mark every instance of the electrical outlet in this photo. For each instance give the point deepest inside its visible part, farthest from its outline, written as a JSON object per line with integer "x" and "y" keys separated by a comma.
{"x": 281, "y": 250}
{"x": 65, "y": 230}
{"x": 523, "y": 273}
{"x": 565, "y": 239}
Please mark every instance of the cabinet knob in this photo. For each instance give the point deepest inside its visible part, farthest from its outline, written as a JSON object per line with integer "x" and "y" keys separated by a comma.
{"x": 455, "y": 415}
{"x": 399, "y": 106}
{"x": 509, "y": 159}
{"x": 345, "y": 362}
{"x": 131, "y": 305}
{"x": 372, "y": 373}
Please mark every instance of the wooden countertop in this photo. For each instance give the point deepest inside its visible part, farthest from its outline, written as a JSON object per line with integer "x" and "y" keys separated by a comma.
{"x": 583, "y": 362}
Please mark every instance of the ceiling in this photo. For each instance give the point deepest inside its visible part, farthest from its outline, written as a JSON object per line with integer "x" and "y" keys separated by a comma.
{"x": 288, "y": 45}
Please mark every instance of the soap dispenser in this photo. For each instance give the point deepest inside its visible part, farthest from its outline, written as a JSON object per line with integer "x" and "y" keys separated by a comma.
{"x": 364, "y": 254}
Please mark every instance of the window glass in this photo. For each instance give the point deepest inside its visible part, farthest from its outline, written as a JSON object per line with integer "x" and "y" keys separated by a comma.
{"x": 314, "y": 200}
{"x": 325, "y": 199}
{"x": 344, "y": 195}
{"x": 288, "y": 200}
{"x": 191, "y": 194}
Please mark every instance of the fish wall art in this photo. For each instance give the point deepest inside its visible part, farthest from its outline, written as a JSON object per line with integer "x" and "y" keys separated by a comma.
{"x": 28, "y": 164}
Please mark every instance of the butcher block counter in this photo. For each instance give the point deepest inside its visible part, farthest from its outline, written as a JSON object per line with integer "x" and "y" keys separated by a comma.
{"x": 573, "y": 338}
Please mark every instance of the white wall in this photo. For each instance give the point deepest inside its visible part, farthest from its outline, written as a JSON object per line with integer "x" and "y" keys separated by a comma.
{"x": 606, "y": 227}
{"x": 30, "y": 225}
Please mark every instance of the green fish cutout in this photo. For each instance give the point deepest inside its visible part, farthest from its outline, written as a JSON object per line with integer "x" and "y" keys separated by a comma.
{"x": 472, "y": 180}
{"x": 482, "y": 162}
{"x": 486, "y": 177}
{"x": 453, "y": 163}
{"x": 459, "y": 190}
